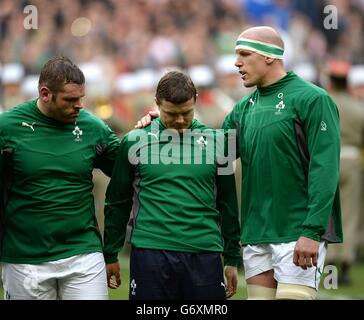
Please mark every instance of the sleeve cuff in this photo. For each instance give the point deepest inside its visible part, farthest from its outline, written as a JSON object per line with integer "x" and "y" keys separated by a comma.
{"x": 232, "y": 261}
{"x": 309, "y": 233}
{"x": 111, "y": 258}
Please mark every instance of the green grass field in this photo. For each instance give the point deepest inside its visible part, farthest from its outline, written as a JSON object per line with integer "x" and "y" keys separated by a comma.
{"x": 353, "y": 291}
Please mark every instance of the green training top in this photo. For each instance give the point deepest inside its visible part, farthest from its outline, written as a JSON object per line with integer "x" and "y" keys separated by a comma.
{"x": 46, "y": 183}
{"x": 178, "y": 201}
{"x": 289, "y": 145}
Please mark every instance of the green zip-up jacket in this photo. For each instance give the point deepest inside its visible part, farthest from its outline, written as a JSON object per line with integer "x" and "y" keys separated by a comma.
{"x": 289, "y": 145}
{"x": 47, "y": 206}
{"x": 170, "y": 190}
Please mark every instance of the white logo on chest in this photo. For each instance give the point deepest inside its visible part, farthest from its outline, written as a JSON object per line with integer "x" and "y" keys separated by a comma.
{"x": 77, "y": 132}
{"x": 153, "y": 135}
{"x": 202, "y": 142}
{"x": 280, "y": 105}
{"x": 31, "y": 126}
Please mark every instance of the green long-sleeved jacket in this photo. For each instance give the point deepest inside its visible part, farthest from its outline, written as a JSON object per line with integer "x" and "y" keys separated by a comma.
{"x": 282, "y": 198}
{"x": 178, "y": 201}
{"x": 46, "y": 204}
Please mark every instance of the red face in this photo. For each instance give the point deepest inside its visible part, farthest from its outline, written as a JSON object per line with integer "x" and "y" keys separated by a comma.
{"x": 65, "y": 106}
{"x": 252, "y": 67}
{"x": 177, "y": 116}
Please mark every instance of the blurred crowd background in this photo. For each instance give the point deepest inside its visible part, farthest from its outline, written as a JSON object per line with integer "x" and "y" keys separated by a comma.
{"x": 124, "y": 46}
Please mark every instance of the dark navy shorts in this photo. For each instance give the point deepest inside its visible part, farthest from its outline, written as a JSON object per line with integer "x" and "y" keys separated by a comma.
{"x": 172, "y": 275}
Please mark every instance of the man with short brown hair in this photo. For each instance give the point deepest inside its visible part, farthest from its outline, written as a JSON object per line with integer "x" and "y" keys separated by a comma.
{"x": 51, "y": 246}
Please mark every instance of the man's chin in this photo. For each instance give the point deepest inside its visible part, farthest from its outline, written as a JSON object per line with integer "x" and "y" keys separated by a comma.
{"x": 248, "y": 84}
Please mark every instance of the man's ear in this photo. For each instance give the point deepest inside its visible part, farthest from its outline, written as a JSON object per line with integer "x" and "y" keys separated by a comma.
{"x": 269, "y": 60}
{"x": 45, "y": 94}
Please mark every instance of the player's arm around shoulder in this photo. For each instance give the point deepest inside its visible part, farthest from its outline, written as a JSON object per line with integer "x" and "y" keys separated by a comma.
{"x": 105, "y": 141}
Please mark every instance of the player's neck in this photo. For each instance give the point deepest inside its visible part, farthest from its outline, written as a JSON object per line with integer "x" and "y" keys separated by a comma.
{"x": 43, "y": 108}
{"x": 273, "y": 76}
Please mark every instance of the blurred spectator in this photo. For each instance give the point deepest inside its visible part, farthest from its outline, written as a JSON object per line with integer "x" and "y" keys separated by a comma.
{"x": 212, "y": 103}
{"x": 11, "y": 78}
{"x": 352, "y": 140}
{"x": 356, "y": 87}
{"x": 356, "y": 82}
{"x": 228, "y": 79}
{"x": 307, "y": 71}
{"x": 268, "y": 12}
{"x": 29, "y": 87}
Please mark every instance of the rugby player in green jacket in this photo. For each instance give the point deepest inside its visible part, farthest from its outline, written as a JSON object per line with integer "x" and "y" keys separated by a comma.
{"x": 183, "y": 206}
{"x": 290, "y": 151}
{"x": 51, "y": 246}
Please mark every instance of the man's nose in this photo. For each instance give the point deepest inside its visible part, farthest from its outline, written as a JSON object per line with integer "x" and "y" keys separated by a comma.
{"x": 78, "y": 104}
{"x": 180, "y": 119}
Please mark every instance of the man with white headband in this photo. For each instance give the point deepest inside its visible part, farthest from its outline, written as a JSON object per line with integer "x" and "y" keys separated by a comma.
{"x": 289, "y": 145}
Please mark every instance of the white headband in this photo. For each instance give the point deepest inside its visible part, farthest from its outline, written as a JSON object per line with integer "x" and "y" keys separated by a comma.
{"x": 263, "y": 48}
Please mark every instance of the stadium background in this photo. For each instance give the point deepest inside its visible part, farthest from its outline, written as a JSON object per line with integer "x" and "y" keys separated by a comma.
{"x": 123, "y": 47}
